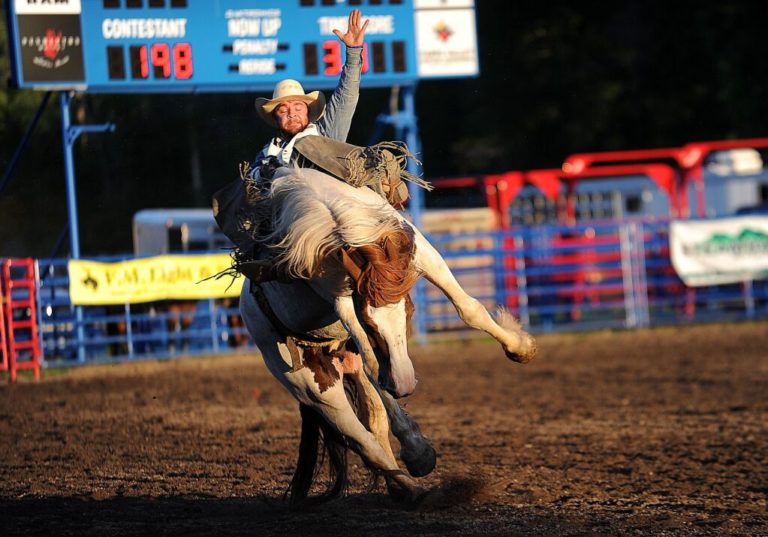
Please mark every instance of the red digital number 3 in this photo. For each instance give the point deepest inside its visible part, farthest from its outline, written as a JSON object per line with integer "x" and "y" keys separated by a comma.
{"x": 332, "y": 58}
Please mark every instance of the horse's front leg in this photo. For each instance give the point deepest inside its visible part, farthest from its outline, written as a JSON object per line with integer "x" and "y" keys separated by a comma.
{"x": 390, "y": 332}
{"x": 416, "y": 451}
{"x": 345, "y": 309}
{"x": 517, "y": 344}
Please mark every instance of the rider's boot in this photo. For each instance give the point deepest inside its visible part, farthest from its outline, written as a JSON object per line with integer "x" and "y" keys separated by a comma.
{"x": 262, "y": 270}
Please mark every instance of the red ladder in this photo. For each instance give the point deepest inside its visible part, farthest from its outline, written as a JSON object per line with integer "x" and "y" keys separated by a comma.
{"x": 22, "y": 342}
{"x": 3, "y": 342}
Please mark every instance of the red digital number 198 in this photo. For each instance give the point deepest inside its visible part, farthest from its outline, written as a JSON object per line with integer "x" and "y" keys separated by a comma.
{"x": 163, "y": 59}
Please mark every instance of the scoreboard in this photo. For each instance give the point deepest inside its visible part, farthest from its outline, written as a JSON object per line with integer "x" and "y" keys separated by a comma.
{"x": 179, "y": 46}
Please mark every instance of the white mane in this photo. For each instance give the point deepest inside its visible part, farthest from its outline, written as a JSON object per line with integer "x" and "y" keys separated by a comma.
{"x": 316, "y": 214}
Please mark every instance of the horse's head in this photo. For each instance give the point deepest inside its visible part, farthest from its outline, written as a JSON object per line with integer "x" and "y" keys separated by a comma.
{"x": 388, "y": 328}
{"x": 383, "y": 277}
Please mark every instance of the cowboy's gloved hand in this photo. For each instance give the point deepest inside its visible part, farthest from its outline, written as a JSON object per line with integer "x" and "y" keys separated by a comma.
{"x": 268, "y": 167}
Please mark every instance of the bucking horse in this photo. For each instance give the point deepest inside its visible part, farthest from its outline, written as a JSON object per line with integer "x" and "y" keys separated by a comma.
{"x": 335, "y": 333}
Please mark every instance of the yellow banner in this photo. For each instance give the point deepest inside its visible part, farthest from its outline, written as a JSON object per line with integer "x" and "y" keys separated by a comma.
{"x": 165, "y": 277}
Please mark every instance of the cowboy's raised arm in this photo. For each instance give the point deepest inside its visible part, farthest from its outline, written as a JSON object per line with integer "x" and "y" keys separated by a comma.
{"x": 341, "y": 106}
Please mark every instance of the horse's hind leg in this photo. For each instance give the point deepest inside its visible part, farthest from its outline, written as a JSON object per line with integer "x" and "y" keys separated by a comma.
{"x": 330, "y": 400}
{"x": 370, "y": 410}
{"x": 517, "y": 344}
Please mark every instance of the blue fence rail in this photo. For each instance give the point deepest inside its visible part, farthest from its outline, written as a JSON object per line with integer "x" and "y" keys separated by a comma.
{"x": 597, "y": 275}
{"x": 76, "y": 334}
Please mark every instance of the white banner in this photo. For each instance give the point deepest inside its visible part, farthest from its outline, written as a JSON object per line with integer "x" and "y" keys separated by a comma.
{"x": 47, "y": 7}
{"x": 713, "y": 252}
{"x": 446, "y": 42}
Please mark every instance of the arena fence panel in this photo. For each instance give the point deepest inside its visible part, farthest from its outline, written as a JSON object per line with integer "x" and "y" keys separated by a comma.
{"x": 160, "y": 329}
{"x": 601, "y": 274}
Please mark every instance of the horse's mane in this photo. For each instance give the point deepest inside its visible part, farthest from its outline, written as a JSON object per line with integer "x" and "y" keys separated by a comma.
{"x": 310, "y": 223}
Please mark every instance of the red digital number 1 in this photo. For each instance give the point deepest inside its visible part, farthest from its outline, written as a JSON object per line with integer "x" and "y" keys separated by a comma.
{"x": 365, "y": 58}
{"x": 161, "y": 60}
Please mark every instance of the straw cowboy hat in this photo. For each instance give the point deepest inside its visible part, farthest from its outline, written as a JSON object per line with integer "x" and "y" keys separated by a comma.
{"x": 290, "y": 90}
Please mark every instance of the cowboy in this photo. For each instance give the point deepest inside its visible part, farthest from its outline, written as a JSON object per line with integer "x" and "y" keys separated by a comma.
{"x": 297, "y": 114}
{"x": 311, "y": 133}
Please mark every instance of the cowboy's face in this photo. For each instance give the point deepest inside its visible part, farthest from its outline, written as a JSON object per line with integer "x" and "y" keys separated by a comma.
{"x": 292, "y": 117}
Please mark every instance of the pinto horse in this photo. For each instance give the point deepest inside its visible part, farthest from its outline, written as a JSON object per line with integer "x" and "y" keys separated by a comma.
{"x": 339, "y": 326}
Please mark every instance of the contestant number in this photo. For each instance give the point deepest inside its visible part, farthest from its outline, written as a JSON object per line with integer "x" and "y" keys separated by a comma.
{"x": 158, "y": 61}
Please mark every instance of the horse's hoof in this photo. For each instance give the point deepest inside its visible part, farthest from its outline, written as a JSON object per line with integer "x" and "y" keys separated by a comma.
{"x": 524, "y": 357}
{"x": 519, "y": 358}
{"x": 417, "y": 497}
{"x": 412, "y": 496}
{"x": 419, "y": 464}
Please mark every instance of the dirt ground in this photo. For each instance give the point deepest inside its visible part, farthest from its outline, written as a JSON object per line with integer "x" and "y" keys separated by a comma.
{"x": 661, "y": 432}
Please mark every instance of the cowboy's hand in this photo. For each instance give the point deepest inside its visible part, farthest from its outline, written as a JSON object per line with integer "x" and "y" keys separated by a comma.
{"x": 355, "y": 33}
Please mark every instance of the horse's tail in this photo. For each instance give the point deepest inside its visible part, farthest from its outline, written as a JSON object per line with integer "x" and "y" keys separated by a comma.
{"x": 313, "y": 427}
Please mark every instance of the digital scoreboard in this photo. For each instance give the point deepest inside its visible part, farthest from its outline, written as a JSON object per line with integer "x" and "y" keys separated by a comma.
{"x": 138, "y": 46}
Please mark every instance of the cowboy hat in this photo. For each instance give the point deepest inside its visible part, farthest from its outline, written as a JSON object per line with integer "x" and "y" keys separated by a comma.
{"x": 290, "y": 90}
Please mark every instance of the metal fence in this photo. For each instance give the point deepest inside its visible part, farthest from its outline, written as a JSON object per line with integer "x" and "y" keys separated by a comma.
{"x": 598, "y": 275}
{"x": 79, "y": 334}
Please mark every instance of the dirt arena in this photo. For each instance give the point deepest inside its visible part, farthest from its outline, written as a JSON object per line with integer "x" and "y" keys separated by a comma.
{"x": 661, "y": 432}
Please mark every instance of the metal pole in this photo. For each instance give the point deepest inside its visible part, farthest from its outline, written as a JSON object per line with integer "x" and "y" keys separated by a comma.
{"x": 39, "y": 313}
{"x": 69, "y": 134}
{"x": 414, "y": 144}
{"x": 74, "y": 233}
{"x": 129, "y": 331}
{"x": 416, "y": 204}
{"x": 213, "y": 323}
{"x": 749, "y": 299}
{"x": 69, "y": 174}
{"x": 627, "y": 276}
{"x": 522, "y": 281}
{"x": 641, "y": 271}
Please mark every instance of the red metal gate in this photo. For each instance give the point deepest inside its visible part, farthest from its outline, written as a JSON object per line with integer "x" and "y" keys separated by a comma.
{"x": 19, "y": 335}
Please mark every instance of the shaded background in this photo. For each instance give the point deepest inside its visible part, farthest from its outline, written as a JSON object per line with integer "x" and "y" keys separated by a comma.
{"x": 555, "y": 79}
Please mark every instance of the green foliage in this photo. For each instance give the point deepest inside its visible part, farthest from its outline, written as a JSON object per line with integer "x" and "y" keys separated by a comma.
{"x": 556, "y": 78}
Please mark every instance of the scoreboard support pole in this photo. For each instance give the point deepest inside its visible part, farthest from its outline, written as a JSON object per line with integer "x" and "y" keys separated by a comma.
{"x": 69, "y": 134}
{"x": 402, "y": 117}
{"x": 416, "y": 205}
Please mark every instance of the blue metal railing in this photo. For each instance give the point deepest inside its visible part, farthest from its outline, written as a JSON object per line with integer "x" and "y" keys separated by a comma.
{"x": 601, "y": 275}
{"x": 129, "y": 331}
